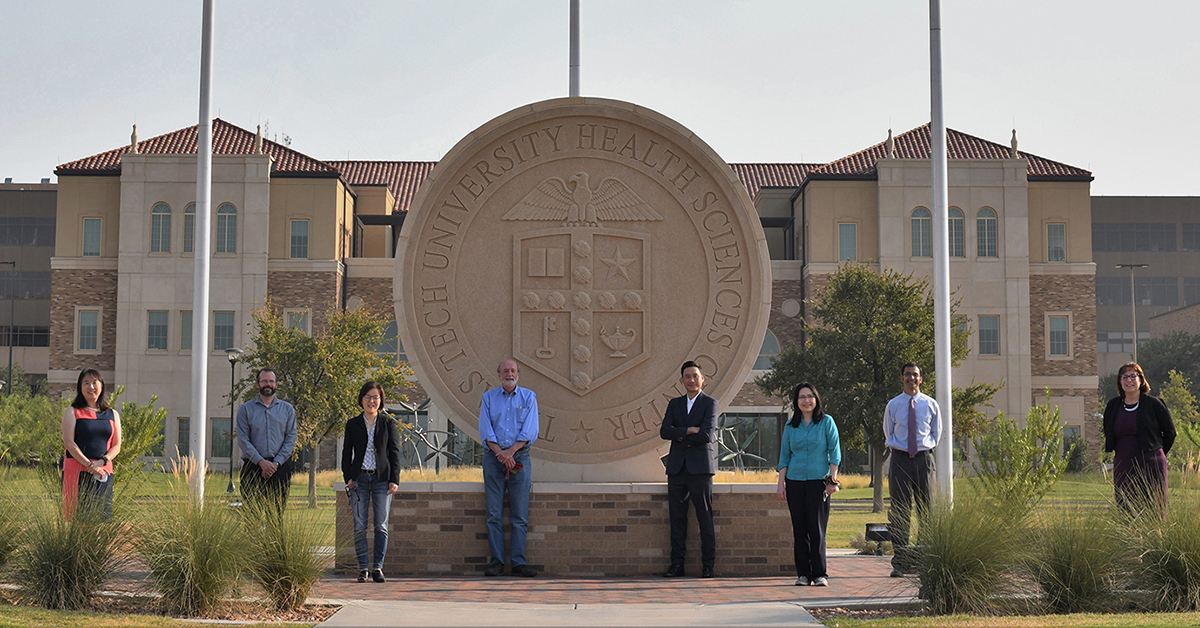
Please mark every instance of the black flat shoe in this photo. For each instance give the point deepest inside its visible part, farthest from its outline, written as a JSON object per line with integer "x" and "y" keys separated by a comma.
{"x": 674, "y": 571}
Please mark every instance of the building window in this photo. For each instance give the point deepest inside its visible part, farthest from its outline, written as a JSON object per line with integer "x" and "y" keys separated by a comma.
{"x": 1191, "y": 236}
{"x": 1191, "y": 290}
{"x": 183, "y": 437}
{"x": 156, "y": 330}
{"x": 91, "y": 237}
{"x": 297, "y": 319}
{"x": 989, "y": 335}
{"x": 160, "y": 228}
{"x": 1130, "y": 237}
{"x": 26, "y": 231}
{"x": 87, "y": 330}
{"x": 985, "y": 233}
{"x": 299, "y": 239}
{"x": 957, "y": 237}
{"x": 1119, "y": 341}
{"x": 221, "y": 439}
{"x": 226, "y": 228}
{"x": 25, "y": 284}
{"x": 25, "y": 336}
{"x": 1058, "y": 335}
{"x": 847, "y": 242}
{"x": 1056, "y": 242}
{"x": 185, "y": 330}
{"x": 189, "y": 228}
{"x": 769, "y": 349}
{"x": 222, "y": 330}
{"x": 922, "y": 233}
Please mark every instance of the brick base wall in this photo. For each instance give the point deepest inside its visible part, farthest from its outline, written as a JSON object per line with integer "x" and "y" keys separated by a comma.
{"x": 440, "y": 528}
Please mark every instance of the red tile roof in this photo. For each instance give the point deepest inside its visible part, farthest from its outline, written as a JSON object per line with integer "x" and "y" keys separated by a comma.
{"x": 403, "y": 178}
{"x": 757, "y": 176}
{"x": 227, "y": 140}
{"x": 914, "y": 144}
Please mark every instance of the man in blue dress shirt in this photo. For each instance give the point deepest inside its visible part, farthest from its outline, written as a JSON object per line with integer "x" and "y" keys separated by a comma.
{"x": 266, "y": 432}
{"x": 912, "y": 426}
{"x": 508, "y": 425}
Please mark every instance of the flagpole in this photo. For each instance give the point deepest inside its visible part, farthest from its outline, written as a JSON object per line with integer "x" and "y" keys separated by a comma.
{"x": 941, "y": 257}
{"x": 574, "y": 60}
{"x": 201, "y": 258}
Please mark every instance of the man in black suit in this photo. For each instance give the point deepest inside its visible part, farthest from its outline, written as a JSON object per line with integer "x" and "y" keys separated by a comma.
{"x": 690, "y": 424}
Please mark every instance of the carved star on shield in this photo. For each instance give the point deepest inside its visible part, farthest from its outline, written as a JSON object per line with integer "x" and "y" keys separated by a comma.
{"x": 581, "y": 433}
{"x": 618, "y": 265}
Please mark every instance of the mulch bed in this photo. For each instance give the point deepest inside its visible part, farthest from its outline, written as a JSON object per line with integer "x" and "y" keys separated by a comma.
{"x": 823, "y": 614}
{"x": 236, "y": 611}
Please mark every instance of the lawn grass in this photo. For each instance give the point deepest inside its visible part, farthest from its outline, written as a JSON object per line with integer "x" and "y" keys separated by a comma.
{"x": 1078, "y": 620}
{"x": 30, "y": 617}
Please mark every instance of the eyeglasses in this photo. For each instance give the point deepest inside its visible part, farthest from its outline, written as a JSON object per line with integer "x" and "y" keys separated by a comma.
{"x": 912, "y": 376}
{"x": 805, "y": 397}
{"x": 1130, "y": 377}
{"x": 372, "y": 397}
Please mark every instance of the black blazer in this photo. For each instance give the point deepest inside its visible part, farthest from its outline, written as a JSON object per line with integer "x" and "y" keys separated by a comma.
{"x": 1155, "y": 429}
{"x": 387, "y": 448}
{"x": 693, "y": 453}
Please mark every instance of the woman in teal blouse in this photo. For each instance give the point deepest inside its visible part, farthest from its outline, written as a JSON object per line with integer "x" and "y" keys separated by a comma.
{"x": 809, "y": 452}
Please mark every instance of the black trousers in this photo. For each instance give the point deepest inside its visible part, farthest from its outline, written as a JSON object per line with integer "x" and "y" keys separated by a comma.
{"x": 696, "y": 488}
{"x": 810, "y": 519}
{"x": 910, "y": 480}
{"x": 274, "y": 490}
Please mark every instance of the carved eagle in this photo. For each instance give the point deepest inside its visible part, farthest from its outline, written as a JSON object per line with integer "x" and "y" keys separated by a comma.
{"x": 577, "y": 204}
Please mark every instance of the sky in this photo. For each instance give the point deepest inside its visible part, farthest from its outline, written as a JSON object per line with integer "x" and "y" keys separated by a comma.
{"x": 1103, "y": 85}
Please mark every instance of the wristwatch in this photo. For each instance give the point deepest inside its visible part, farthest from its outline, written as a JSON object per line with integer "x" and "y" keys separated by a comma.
{"x": 105, "y": 459}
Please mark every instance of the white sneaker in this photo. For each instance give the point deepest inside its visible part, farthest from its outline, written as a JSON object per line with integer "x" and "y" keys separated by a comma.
{"x": 821, "y": 582}
{"x": 802, "y": 581}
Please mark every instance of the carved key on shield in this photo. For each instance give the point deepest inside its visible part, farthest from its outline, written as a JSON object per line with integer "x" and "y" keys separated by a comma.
{"x": 544, "y": 351}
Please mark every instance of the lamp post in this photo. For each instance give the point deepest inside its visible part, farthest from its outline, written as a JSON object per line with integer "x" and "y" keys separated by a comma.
{"x": 1133, "y": 301}
{"x": 12, "y": 318}
{"x": 233, "y": 354}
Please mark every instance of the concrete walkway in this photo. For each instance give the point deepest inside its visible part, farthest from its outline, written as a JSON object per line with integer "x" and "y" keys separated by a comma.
{"x": 855, "y": 582}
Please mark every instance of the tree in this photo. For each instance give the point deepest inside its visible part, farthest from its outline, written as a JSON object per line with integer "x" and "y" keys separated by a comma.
{"x": 320, "y": 374}
{"x": 1177, "y": 395}
{"x": 1176, "y": 350}
{"x": 866, "y": 325}
{"x": 1017, "y": 466}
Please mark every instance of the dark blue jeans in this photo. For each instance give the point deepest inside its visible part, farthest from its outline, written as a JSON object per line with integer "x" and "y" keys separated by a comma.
{"x": 370, "y": 493}
{"x": 518, "y": 484}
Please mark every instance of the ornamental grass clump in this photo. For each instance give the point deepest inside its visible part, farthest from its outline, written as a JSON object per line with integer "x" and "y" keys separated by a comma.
{"x": 964, "y": 556}
{"x": 61, "y": 564}
{"x": 194, "y": 555}
{"x": 1075, "y": 556}
{"x": 1169, "y": 550}
{"x": 285, "y": 553}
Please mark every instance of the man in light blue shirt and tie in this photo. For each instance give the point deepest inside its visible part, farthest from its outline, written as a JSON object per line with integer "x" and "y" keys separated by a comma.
{"x": 508, "y": 425}
{"x": 911, "y": 425}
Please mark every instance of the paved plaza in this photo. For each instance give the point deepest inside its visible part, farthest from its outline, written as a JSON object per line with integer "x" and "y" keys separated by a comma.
{"x": 855, "y": 582}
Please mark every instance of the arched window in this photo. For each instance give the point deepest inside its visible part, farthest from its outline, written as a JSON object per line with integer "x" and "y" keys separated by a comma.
{"x": 189, "y": 228}
{"x": 770, "y": 349}
{"x": 985, "y": 232}
{"x": 226, "y": 228}
{"x": 957, "y": 244}
{"x": 160, "y": 228}
{"x": 922, "y": 233}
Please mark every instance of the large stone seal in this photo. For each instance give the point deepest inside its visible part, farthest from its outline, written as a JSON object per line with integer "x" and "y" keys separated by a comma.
{"x": 601, "y": 245}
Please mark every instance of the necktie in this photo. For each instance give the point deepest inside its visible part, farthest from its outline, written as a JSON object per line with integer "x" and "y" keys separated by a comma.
{"x": 912, "y": 427}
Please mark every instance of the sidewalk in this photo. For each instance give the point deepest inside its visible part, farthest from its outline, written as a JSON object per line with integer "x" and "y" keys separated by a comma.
{"x": 855, "y": 582}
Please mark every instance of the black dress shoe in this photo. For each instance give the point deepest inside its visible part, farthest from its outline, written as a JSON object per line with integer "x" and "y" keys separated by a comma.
{"x": 494, "y": 569}
{"x": 707, "y": 572}
{"x": 674, "y": 571}
{"x": 523, "y": 571}
{"x": 377, "y": 576}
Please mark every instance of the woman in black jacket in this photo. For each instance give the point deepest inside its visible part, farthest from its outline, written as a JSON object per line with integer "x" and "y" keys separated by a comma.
{"x": 1139, "y": 429}
{"x": 371, "y": 468}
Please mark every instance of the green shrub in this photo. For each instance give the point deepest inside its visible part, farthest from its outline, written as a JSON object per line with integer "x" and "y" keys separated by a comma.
{"x": 286, "y": 557}
{"x": 1169, "y": 550}
{"x": 964, "y": 556}
{"x": 1016, "y": 466}
{"x": 1074, "y": 556}
{"x": 61, "y": 564}
{"x": 193, "y": 558}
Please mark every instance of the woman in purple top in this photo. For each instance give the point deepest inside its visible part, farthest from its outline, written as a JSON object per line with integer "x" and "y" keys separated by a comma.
{"x": 1139, "y": 429}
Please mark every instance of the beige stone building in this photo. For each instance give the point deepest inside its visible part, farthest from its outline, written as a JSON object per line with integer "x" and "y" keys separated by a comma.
{"x": 312, "y": 235}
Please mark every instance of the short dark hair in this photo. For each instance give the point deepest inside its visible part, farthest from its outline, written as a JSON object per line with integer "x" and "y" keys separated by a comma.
{"x": 818, "y": 410}
{"x": 689, "y": 364}
{"x": 368, "y": 387}
{"x": 265, "y": 369}
{"x": 907, "y": 365}
{"x": 101, "y": 401}
{"x": 1136, "y": 368}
